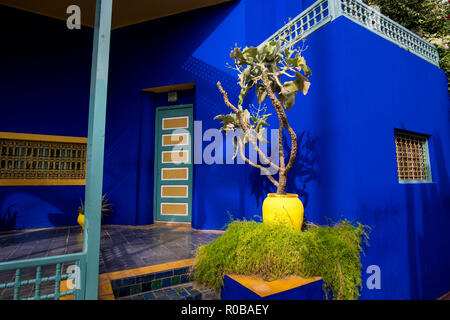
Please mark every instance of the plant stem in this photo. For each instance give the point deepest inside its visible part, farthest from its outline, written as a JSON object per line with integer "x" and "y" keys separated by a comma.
{"x": 283, "y": 123}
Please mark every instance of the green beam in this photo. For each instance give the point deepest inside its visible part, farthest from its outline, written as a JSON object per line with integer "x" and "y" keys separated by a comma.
{"x": 96, "y": 145}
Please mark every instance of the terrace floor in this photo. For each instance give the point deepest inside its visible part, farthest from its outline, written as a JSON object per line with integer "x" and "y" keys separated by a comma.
{"x": 121, "y": 248}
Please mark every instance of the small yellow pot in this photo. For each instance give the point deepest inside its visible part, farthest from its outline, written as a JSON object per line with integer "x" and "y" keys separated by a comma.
{"x": 80, "y": 220}
{"x": 284, "y": 209}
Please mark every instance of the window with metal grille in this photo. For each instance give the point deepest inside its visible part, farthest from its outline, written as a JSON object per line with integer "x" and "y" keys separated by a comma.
{"x": 413, "y": 162}
{"x": 27, "y": 159}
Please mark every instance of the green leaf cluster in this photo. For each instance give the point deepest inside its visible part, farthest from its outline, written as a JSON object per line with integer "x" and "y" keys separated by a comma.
{"x": 275, "y": 251}
{"x": 279, "y": 58}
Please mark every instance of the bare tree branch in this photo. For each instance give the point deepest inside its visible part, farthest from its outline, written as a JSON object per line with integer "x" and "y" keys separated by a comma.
{"x": 245, "y": 127}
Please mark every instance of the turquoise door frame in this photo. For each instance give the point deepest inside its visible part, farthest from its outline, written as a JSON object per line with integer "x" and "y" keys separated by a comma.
{"x": 163, "y": 201}
{"x": 86, "y": 262}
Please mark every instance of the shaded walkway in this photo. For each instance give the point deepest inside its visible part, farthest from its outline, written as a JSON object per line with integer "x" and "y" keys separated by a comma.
{"x": 121, "y": 248}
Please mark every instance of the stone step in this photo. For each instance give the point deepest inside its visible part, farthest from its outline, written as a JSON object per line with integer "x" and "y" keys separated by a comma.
{"x": 170, "y": 284}
{"x": 188, "y": 291}
{"x": 134, "y": 285}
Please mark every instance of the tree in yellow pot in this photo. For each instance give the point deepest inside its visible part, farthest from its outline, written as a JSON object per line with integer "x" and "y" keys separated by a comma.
{"x": 278, "y": 71}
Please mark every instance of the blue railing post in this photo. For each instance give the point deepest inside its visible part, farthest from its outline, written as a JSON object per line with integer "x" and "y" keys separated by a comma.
{"x": 96, "y": 145}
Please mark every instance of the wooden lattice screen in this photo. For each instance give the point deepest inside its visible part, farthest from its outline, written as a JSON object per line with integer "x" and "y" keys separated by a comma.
{"x": 412, "y": 157}
{"x": 42, "y": 160}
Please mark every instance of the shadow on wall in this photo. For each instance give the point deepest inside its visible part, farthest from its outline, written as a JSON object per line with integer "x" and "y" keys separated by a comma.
{"x": 428, "y": 215}
{"x": 304, "y": 171}
{"x": 8, "y": 219}
{"x": 39, "y": 207}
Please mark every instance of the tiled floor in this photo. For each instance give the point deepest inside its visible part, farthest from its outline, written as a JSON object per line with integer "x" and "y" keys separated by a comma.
{"x": 182, "y": 292}
{"x": 121, "y": 248}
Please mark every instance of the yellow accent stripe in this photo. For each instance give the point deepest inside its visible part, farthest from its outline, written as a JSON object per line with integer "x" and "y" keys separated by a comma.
{"x": 41, "y": 182}
{"x": 267, "y": 288}
{"x": 174, "y": 174}
{"x": 174, "y": 191}
{"x": 63, "y": 288}
{"x": 174, "y": 208}
{"x": 41, "y": 137}
{"x": 175, "y": 123}
{"x": 175, "y": 139}
{"x": 175, "y": 156}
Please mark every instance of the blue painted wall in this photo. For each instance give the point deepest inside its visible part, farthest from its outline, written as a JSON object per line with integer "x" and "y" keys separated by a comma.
{"x": 44, "y": 89}
{"x": 363, "y": 87}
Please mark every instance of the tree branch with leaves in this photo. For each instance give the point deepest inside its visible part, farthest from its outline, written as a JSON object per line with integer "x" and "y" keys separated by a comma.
{"x": 275, "y": 70}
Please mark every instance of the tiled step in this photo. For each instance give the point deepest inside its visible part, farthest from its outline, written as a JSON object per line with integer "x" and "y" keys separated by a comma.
{"x": 170, "y": 284}
{"x": 182, "y": 292}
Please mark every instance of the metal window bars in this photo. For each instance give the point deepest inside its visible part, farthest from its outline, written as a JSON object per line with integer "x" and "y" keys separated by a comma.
{"x": 324, "y": 11}
{"x": 21, "y": 159}
{"x": 413, "y": 163}
{"x": 41, "y": 277}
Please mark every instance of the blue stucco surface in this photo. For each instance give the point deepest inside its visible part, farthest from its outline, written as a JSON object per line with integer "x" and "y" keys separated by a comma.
{"x": 363, "y": 87}
{"x": 44, "y": 89}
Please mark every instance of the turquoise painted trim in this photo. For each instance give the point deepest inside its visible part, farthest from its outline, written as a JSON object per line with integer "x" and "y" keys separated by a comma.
{"x": 45, "y": 261}
{"x": 38, "y": 263}
{"x": 96, "y": 145}
{"x": 58, "y": 281}
{"x": 17, "y": 284}
{"x": 37, "y": 290}
{"x": 163, "y": 112}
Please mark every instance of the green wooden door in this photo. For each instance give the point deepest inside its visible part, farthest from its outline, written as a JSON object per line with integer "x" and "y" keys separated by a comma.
{"x": 173, "y": 163}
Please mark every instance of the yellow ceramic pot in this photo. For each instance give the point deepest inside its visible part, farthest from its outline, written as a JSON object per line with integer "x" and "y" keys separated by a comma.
{"x": 284, "y": 209}
{"x": 80, "y": 220}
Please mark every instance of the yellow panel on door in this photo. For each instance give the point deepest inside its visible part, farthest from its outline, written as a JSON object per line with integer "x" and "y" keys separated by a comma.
{"x": 174, "y": 174}
{"x": 174, "y": 209}
{"x": 179, "y": 156}
{"x": 174, "y": 191}
{"x": 175, "y": 123}
{"x": 175, "y": 139}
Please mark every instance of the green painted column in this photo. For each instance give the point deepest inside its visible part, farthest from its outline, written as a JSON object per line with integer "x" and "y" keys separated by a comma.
{"x": 96, "y": 145}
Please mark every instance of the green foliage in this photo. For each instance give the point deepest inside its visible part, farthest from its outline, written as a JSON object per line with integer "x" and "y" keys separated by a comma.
{"x": 275, "y": 69}
{"x": 427, "y": 18}
{"x": 274, "y": 252}
{"x": 281, "y": 60}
